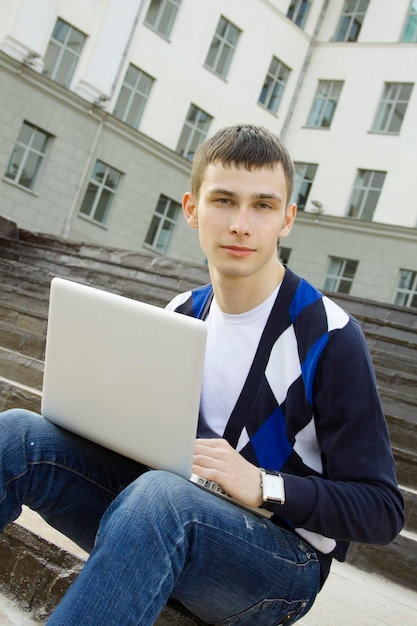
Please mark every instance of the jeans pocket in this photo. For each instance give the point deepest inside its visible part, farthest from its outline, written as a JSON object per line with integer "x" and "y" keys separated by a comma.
{"x": 270, "y": 612}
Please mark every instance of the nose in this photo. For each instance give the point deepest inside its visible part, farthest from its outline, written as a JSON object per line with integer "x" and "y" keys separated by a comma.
{"x": 240, "y": 223}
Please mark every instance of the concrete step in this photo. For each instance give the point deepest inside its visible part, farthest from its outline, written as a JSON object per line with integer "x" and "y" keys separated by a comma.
{"x": 398, "y": 403}
{"x": 23, "y": 301}
{"x": 396, "y": 333}
{"x": 398, "y": 348}
{"x": 399, "y": 563}
{"x": 406, "y": 463}
{"x": 37, "y": 573}
{"x": 403, "y": 432}
{"x": 159, "y": 266}
{"x": 21, "y": 340}
{"x": 390, "y": 360}
{"x": 124, "y": 271}
{"x": 369, "y": 310}
{"x": 136, "y": 284}
{"x": 405, "y": 383}
{"x": 410, "y": 499}
{"x": 13, "y": 395}
{"x": 22, "y": 369}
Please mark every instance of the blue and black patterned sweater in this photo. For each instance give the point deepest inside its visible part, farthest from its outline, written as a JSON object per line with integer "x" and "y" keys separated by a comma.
{"x": 310, "y": 409}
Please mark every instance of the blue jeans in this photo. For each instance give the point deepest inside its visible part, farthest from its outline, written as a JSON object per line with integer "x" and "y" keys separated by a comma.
{"x": 152, "y": 536}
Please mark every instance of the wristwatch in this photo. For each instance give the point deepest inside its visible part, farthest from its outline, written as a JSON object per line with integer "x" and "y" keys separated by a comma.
{"x": 273, "y": 489}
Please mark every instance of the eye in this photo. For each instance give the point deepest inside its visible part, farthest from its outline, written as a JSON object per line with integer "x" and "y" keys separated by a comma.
{"x": 264, "y": 205}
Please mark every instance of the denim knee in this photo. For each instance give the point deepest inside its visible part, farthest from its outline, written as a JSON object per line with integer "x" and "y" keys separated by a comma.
{"x": 15, "y": 424}
{"x": 156, "y": 499}
{"x": 153, "y": 492}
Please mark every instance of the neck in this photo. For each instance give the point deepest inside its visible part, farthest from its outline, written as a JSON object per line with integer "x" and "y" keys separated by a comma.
{"x": 238, "y": 294}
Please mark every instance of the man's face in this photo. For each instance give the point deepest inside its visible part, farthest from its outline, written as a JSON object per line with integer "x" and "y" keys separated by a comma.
{"x": 240, "y": 215}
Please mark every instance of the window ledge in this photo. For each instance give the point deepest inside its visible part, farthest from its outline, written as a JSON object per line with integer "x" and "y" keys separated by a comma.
{"x": 210, "y": 69}
{"x": 91, "y": 221}
{"x": 307, "y": 127}
{"x": 147, "y": 246}
{"x": 383, "y": 132}
{"x": 157, "y": 32}
{"x": 21, "y": 187}
{"x": 265, "y": 108}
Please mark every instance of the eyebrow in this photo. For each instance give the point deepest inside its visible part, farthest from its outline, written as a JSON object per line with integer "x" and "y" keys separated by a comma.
{"x": 255, "y": 196}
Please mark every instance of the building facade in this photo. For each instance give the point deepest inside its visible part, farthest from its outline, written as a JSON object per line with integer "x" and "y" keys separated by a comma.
{"x": 104, "y": 102}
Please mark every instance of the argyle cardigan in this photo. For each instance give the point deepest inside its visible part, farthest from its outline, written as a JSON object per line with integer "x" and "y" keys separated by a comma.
{"x": 310, "y": 409}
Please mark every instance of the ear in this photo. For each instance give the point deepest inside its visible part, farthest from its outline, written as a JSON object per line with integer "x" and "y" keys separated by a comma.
{"x": 189, "y": 207}
{"x": 288, "y": 223}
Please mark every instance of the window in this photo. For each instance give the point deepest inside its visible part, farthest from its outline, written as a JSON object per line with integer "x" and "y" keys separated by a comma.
{"x": 133, "y": 96}
{"x": 194, "y": 132}
{"x": 392, "y": 107}
{"x": 410, "y": 30}
{"x": 162, "y": 224}
{"x": 303, "y": 181}
{"x": 222, "y": 47}
{"x": 365, "y": 195}
{"x": 406, "y": 294}
{"x": 100, "y": 192}
{"x": 27, "y": 155}
{"x": 340, "y": 275}
{"x": 161, "y": 15}
{"x": 325, "y": 103}
{"x": 351, "y": 20}
{"x": 274, "y": 85}
{"x": 63, "y": 53}
{"x": 298, "y": 11}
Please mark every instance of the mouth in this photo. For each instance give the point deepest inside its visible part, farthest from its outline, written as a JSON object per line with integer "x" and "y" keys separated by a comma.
{"x": 238, "y": 251}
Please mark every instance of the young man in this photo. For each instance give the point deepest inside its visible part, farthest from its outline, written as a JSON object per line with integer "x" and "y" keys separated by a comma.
{"x": 290, "y": 420}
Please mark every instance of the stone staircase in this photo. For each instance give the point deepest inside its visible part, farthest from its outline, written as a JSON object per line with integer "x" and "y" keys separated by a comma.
{"x": 28, "y": 261}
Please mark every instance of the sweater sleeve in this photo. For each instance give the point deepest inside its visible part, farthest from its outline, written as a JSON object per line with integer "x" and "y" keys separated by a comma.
{"x": 357, "y": 497}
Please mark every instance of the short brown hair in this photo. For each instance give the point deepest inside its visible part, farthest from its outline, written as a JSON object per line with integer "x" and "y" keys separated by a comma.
{"x": 243, "y": 145}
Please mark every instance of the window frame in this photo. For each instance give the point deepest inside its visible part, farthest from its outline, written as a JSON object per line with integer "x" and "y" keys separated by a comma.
{"x": 192, "y": 134}
{"x": 343, "y": 279}
{"x": 409, "y": 34}
{"x": 99, "y": 188}
{"x": 220, "y": 41}
{"x": 389, "y": 107}
{"x": 131, "y": 93}
{"x": 350, "y": 17}
{"x": 161, "y": 9}
{"x": 302, "y": 179}
{"x": 327, "y": 95}
{"x": 157, "y": 225}
{"x": 28, "y": 151}
{"x": 63, "y": 50}
{"x": 407, "y": 294}
{"x": 361, "y": 211}
{"x": 298, "y": 12}
{"x": 274, "y": 85}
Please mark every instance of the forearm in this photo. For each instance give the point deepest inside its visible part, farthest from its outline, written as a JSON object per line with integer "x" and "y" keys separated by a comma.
{"x": 344, "y": 511}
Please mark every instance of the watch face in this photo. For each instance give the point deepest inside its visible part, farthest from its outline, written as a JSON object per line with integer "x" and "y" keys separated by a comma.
{"x": 273, "y": 488}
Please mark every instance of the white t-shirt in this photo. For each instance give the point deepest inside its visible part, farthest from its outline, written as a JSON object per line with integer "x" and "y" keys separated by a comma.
{"x": 232, "y": 341}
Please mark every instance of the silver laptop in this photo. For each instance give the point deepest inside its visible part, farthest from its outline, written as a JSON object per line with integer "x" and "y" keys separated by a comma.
{"x": 126, "y": 375}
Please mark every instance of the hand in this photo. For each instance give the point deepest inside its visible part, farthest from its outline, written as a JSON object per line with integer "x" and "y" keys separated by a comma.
{"x": 215, "y": 459}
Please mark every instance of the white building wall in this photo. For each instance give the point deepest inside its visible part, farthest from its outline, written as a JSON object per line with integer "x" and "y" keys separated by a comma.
{"x": 181, "y": 78}
{"x": 349, "y": 144}
{"x": 84, "y": 129}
